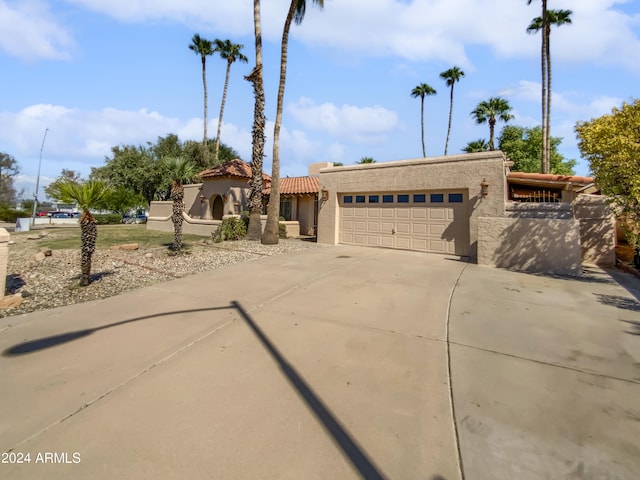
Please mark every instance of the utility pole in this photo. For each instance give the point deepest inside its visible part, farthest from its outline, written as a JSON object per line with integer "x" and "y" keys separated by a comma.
{"x": 35, "y": 196}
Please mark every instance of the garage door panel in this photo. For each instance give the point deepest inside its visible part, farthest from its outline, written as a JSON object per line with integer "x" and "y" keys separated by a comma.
{"x": 347, "y": 212}
{"x": 402, "y": 242}
{"x": 436, "y": 229}
{"x": 359, "y": 226}
{"x": 420, "y": 244}
{"x": 373, "y": 212}
{"x": 403, "y": 228}
{"x": 387, "y": 242}
{"x": 360, "y": 212}
{"x": 388, "y": 213}
{"x": 437, "y": 246}
{"x": 403, "y": 213}
{"x": 419, "y": 213}
{"x": 388, "y": 227}
{"x": 420, "y": 228}
{"x": 373, "y": 227}
{"x": 373, "y": 240}
{"x": 437, "y": 214}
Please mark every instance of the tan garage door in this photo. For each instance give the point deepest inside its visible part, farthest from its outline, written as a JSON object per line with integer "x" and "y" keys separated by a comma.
{"x": 430, "y": 221}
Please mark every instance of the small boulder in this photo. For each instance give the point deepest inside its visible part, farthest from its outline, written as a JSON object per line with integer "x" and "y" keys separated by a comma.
{"x": 10, "y": 301}
{"x": 47, "y": 251}
{"x": 125, "y": 246}
{"x": 40, "y": 256}
{"x": 118, "y": 264}
{"x": 148, "y": 255}
{"x": 11, "y": 242}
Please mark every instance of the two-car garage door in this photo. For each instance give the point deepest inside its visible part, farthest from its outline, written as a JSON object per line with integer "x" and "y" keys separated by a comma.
{"x": 429, "y": 221}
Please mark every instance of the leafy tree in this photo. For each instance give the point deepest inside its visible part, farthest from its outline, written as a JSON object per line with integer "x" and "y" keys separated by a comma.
{"x": 479, "y": 145}
{"x": 297, "y": 11}
{"x": 65, "y": 175}
{"x": 611, "y": 144}
{"x": 204, "y": 48}
{"x": 27, "y": 204}
{"x": 230, "y": 52}
{"x": 490, "y": 111}
{"x": 87, "y": 195}
{"x": 450, "y": 77}
{"x": 523, "y": 146}
{"x": 421, "y": 91}
{"x": 8, "y": 170}
{"x": 181, "y": 171}
{"x": 254, "y": 230}
{"x": 122, "y": 200}
{"x": 364, "y": 160}
{"x": 543, "y": 23}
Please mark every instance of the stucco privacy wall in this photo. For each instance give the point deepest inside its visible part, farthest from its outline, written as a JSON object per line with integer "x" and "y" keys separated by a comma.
{"x": 597, "y": 229}
{"x": 538, "y": 245}
{"x": 461, "y": 172}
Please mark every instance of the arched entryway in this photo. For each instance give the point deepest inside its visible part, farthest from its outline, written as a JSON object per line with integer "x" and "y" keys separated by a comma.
{"x": 217, "y": 208}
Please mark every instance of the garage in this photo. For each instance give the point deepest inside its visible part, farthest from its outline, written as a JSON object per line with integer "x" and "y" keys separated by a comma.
{"x": 435, "y": 221}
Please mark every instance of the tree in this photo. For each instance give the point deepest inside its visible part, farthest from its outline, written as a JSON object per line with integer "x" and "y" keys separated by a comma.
{"x": 65, "y": 175}
{"x": 479, "y": 145}
{"x": 543, "y": 23}
{"x": 338, "y": 164}
{"x": 523, "y": 146}
{"x": 450, "y": 77}
{"x": 181, "y": 171}
{"x": 230, "y": 52}
{"x": 490, "y": 111}
{"x": 421, "y": 91}
{"x": 296, "y": 14}
{"x": 204, "y": 48}
{"x": 611, "y": 145}
{"x": 8, "y": 170}
{"x": 87, "y": 195}
{"x": 254, "y": 230}
{"x": 122, "y": 200}
{"x": 364, "y": 160}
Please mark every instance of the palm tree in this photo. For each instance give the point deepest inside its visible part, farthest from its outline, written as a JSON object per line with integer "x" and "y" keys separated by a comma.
{"x": 230, "y": 52}
{"x": 254, "y": 230}
{"x": 451, "y": 76}
{"x": 86, "y": 195}
{"x": 557, "y": 18}
{"x": 364, "y": 160}
{"x": 479, "y": 145}
{"x": 204, "y": 48}
{"x": 491, "y": 111}
{"x": 180, "y": 171}
{"x": 296, "y": 14}
{"x": 421, "y": 91}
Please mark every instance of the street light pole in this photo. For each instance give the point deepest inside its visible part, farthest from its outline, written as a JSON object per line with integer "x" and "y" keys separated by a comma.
{"x": 35, "y": 196}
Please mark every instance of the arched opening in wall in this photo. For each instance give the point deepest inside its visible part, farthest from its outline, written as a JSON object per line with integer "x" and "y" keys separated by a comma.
{"x": 217, "y": 208}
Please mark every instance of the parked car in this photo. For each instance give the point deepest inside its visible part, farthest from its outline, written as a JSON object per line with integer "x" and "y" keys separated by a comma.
{"x": 61, "y": 215}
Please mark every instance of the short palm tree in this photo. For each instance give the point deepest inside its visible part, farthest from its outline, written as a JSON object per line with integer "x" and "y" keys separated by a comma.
{"x": 490, "y": 111}
{"x": 204, "y": 48}
{"x": 230, "y": 52}
{"x": 479, "y": 145}
{"x": 451, "y": 76}
{"x": 553, "y": 18}
{"x": 421, "y": 91}
{"x": 180, "y": 171}
{"x": 364, "y": 160}
{"x": 87, "y": 195}
{"x": 297, "y": 10}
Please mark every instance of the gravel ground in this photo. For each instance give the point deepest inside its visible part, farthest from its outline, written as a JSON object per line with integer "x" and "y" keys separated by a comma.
{"x": 52, "y": 281}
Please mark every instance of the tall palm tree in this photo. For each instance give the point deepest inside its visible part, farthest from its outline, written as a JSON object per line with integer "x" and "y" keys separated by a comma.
{"x": 204, "y": 48}
{"x": 365, "y": 160}
{"x": 230, "y": 52}
{"x": 86, "y": 195}
{"x": 451, "y": 76}
{"x": 557, "y": 18}
{"x": 254, "y": 230}
{"x": 180, "y": 171}
{"x": 296, "y": 14}
{"x": 490, "y": 111}
{"x": 421, "y": 91}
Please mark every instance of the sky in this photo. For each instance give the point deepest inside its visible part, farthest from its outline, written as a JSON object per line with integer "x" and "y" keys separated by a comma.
{"x": 104, "y": 73}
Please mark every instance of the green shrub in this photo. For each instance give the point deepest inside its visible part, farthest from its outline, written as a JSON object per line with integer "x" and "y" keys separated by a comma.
{"x": 10, "y": 214}
{"x": 108, "y": 219}
{"x": 282, "y": 230}
{"x": 232, "y": 228}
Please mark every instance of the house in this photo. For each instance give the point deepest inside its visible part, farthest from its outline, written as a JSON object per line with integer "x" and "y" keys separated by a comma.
{"x": 225, "y": 191}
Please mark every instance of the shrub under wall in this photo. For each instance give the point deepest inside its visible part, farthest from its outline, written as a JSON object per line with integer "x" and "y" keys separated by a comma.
{"x": 108, "y": 219}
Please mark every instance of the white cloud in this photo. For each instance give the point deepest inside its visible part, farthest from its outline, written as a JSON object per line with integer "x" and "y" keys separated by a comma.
{"x": 28, "y": 31}
{"x": 358, "y": 124}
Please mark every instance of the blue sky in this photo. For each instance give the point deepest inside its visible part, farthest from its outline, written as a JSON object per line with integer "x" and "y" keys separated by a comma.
{"x": 101, "y": 73}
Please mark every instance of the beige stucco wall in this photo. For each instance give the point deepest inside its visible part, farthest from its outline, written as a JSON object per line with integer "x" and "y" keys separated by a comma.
{"x": 597, "y": 229}
{"x": 462, "y": 172}
{"x": 304, "y": 214}
{"x": 538, "y": 245}
{"x": 4, "y": 259}
{"x": 234, "y": 191}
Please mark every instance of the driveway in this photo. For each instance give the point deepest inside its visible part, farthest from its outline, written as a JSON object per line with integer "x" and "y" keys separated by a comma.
{"x": 330, "y": 363}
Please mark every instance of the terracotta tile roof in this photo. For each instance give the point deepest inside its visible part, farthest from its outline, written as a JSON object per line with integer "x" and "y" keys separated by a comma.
{"x": 233, "y": 168}
{"x": 296, "y": 186}
{"x": 549, "y": 177}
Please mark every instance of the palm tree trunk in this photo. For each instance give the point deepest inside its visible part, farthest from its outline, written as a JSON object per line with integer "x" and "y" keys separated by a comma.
{"x": 446, "y": 145}
{"x": 271, "y": 230}
{"x": 206, "y": 101}
{"x": 89, "y": 236}
{"x": 254, "y": 231}
{"x": 544, "y": 160}
{"x": 424, "y": 152}
{"x": 224, "y": 98}
{"x": 177, "y": 194}
{"x": 492, "y": 127}
{"x": 549, "y": 93}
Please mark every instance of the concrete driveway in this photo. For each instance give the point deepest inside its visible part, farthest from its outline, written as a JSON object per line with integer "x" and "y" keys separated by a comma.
{"x": 330, "y": 363}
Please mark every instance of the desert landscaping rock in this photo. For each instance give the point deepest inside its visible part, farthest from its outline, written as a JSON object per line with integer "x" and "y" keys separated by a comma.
{"x": 54, "y": 282}
{"x": 126, "y": 246}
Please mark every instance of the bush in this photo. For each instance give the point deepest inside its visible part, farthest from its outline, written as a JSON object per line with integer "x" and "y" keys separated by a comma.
{"x": 230, "y": 229}
{"x": 108, "y": 219}
{"x": 10, "y": 215}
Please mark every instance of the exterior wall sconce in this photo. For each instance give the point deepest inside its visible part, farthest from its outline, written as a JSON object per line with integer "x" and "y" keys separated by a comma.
{"x": 484, "y": 187}
{"x": 202, "y": 198}
{"x": 325, "y": 194}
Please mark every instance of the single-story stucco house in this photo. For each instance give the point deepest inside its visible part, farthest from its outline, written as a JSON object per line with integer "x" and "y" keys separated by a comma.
{"x": 467, "y": 205}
